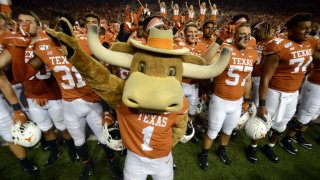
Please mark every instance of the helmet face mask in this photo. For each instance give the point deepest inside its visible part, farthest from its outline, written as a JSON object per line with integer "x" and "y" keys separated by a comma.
{"x": 256, "y": 128}
{"x": 203, "y": 110}
{"x": 112, "y": 136}
{"x": 27, "y": 134}
{"x": 189, "y": 132}
{"x": 246, "y": 116}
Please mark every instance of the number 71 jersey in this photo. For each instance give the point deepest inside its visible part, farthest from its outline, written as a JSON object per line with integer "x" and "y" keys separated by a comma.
{"x": 229, "y": 85}
{"x": 71, "y": 84}
{"x": 293, "y": 62}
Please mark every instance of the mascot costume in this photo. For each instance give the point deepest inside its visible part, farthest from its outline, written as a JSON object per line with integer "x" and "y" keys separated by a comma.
{"x": 150, "y": 106}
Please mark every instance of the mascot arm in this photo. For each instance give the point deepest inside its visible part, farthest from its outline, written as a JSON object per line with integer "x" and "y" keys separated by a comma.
{"x": 179, "y": 129}
{"x": 108, "y": 86}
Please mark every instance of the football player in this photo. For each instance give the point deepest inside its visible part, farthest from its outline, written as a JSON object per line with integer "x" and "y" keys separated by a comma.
{"x": 44, "y": 96}
{"x": 231, "y": 91}
{"x": 207, "y": 36}
{"x": 308, "y": 110}
{"x": 80, "y": 103}
{"x": 191, "y": 86}
{"x": 284, "y": 68}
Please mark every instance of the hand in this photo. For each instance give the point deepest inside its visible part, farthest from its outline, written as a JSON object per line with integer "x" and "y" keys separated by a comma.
{"x": 245, "y": 106}
{"x": 23, "y": 29}
{"x": 19, "y": 116}
{"x": 40, "y": 102}
{"x": 227, "y": 32}
{"x": 262, "y": 110}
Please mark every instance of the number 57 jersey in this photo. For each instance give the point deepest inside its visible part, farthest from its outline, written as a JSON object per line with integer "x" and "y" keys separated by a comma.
{"x": 293, "y": 62}
{"x": 229, "y": 85}
{"x": 69, "y": 79}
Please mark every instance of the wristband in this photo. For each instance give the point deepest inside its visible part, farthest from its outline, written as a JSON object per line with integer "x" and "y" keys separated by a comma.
{"x": 219, "y": 41}
{"x": 262, "y": 102}
{"x": 246, "y": 100}
{"x": 16, "y": 106}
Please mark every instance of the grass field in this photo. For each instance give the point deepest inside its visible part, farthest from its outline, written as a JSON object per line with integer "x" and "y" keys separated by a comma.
{"x": 304, "y": 165}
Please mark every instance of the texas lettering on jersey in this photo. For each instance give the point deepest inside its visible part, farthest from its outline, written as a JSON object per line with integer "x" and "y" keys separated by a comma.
{"x": 294, "y": 61}
{"x": 148, "y": 134}
{"x": 230, "y": 83}
{"x": 69, "y": 79}
{"x": 42, "y": 85}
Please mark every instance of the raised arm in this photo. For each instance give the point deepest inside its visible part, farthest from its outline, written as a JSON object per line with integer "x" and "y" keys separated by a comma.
{"x": 187, "y": 6}
{"x": 210, "y": 4}
{"x": 140, "y": 3}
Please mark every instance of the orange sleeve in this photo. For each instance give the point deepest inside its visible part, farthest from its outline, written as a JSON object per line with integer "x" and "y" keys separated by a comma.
{"x": 21, "y": 71}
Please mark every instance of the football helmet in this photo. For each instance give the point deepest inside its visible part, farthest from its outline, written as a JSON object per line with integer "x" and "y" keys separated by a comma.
{"x": 112, "y": 133}
{"x": 245, "y": 116}
{"x": 202, "y": 109}
{"x": 189, "y": 132}
{"x": 256, "y": 128}
{"x": 27, "y": 134}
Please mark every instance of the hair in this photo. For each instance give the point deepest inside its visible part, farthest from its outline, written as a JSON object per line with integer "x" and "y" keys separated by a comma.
{"x": 297, "y": 18}
{"x": 190, "y": 25}
{"x": 29, "y": 13}
{"x": 93, "y": 16}
{"x": 206, "y": 23}
{"x": 239, "y": 16}
{"x": 263, "y": 32}
{"x": 243, "y": 25}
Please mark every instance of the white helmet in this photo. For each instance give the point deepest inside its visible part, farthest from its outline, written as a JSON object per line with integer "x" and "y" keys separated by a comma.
{"x": 27, "y": 134}
{"x": 245, "y": 116}
{"x": 189, "y": 132}
{"x": 112, "y": 133}
{"x": 202, "y": 109}
{"x": 256, "y": 128}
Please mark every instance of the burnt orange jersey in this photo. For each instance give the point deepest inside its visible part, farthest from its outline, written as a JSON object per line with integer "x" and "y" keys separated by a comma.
{"x": 149, "y": 135}
{"x": 70, "y": 81}
{"x": 19, "y": 71}
{"x": 206, "y": 41}
{"x": 258, "y": 66}
{"x": 42, "y": 85}
{"x": 230, "y": 83}
{"x": 293, "y": 62}
{"x": 198, "y": 50}
{"x": 314, "y": 75}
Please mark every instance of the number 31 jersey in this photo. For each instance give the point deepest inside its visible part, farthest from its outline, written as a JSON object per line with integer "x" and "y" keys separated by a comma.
{"x": 229, "y": 85}
{"x": 69, "y": 79}
{"x": 293, "y": 63}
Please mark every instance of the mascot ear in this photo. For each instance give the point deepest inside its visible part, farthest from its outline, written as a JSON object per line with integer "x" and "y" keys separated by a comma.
{"x": 122, "y": 47}
{"x": 193, "y": 59}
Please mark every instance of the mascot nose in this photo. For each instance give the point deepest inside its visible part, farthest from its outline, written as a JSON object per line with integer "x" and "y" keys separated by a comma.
{"x": 153, "y": 93}
{"x": 167, "y": 104}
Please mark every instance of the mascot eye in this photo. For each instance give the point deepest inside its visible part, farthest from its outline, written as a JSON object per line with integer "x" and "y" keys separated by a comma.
{"x": 171, "y": 71}
{"x": 142, "y": 67}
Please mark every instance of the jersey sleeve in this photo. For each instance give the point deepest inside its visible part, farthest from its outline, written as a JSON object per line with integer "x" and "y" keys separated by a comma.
{"x": 273, "y": 47}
